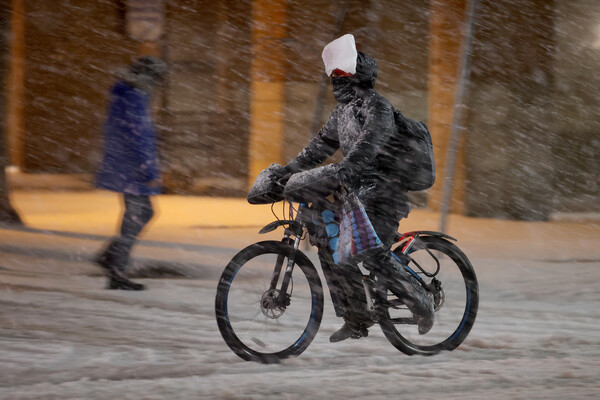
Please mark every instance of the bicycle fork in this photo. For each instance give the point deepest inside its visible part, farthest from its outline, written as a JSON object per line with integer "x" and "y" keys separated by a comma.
{"x": 283, "y": 298}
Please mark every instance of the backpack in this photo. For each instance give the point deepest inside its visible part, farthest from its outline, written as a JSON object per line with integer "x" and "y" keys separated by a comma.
{"x": 414, "y": 152}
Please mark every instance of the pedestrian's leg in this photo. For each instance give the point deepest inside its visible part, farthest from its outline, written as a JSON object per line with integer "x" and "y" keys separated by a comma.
{"x": 138, "y": 212}
{"x": 115, "y": 254}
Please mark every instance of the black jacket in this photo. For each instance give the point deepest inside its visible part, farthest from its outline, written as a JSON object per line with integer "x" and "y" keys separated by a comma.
{"x": 360, "y": 126}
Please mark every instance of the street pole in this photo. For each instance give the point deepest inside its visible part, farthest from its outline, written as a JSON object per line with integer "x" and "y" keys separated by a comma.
{"x": 8, "y": 215}
{"x": 462, "y": 84}
{"x": 14, "y": 108}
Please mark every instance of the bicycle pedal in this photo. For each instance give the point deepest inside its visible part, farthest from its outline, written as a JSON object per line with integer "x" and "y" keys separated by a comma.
{"x": 360, "y": 334}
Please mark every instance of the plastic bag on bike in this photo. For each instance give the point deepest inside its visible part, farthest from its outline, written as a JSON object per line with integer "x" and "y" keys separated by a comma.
{"x": 358, "y": 239}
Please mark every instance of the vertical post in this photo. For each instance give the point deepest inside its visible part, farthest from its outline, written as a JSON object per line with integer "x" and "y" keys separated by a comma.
{"x": 457, "y": 126}
{"x": 225, "y": 30}
{"x": 446, "y": 22}
{"x": 7, "y": 213}
{"x": 267, "y": 85}
{"x": 15, "y": 99}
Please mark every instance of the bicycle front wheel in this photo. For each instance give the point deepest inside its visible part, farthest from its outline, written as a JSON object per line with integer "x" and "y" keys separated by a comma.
{"x": 254, "y": 321}
{"x": 456, "y": 299}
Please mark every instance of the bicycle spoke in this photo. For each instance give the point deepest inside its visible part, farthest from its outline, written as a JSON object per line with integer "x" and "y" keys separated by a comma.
{"x": 455, "y": 294}
{"x": 269, "y": 325}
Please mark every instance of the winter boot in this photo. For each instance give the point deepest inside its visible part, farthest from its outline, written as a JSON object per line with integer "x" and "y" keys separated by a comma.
{"x": 352, "y": 330}
{"x": 425, "y": 316}
{"x": 102, "y": 260}
{"x": 117, "y": 280}
{"x": 406, "y": 287}
{"x": 418, "y": 300}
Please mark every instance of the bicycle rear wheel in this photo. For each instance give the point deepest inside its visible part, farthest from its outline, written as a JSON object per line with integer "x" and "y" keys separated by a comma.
{"x": 456, "y": 303}
{"x": 252, "y": 320}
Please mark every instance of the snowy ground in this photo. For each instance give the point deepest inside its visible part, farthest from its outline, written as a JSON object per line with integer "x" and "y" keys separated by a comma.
{"x": 62, "y": 336}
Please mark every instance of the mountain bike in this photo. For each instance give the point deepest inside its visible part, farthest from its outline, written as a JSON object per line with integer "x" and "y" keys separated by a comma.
{"x": 269, "y": 302}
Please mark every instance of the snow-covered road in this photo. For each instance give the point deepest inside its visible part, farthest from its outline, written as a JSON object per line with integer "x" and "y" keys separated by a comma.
{"x": 537, "y": 336}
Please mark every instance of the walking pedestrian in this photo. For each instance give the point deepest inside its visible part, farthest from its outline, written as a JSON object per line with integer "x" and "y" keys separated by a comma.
{"x": 130, "y": 163}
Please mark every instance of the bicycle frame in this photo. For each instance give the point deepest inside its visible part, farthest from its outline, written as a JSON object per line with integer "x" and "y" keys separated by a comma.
{"x": 366, "y": 294}
{"x": 294, "y": 231}
{"x": 378, "y": 292}
{"x": 339, "y": 284}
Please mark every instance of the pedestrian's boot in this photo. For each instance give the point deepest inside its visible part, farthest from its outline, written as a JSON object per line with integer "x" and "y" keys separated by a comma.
{"x": 352, "y": 330}
{"x": 117, "y": 280}
{"x": 103, "y": 261}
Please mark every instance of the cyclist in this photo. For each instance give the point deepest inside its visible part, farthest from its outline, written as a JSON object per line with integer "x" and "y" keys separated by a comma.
{"x": 360, "y": 126}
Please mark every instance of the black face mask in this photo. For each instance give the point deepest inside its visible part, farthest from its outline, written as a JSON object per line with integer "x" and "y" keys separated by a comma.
{"x": 342, "y": 89}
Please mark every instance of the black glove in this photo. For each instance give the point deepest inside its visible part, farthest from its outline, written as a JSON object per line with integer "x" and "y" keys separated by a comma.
{"x": 268, "y": 186}
{"x": 279, "y": 174}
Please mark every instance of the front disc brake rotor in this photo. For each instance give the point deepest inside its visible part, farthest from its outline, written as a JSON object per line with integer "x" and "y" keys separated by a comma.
{"x": 269, "y": 306}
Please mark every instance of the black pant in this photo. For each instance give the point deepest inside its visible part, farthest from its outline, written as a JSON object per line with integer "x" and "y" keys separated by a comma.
{"x": 138, "y": 211}
{"x": 385, "y": 224}
{"x": 386, "y": 204}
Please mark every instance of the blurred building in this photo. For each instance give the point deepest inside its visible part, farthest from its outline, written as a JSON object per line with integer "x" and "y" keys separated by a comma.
{"x": 246, "y": 83}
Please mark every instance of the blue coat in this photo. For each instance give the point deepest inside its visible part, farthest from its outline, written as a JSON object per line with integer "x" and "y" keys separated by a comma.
{"x": 130, "y": 162}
